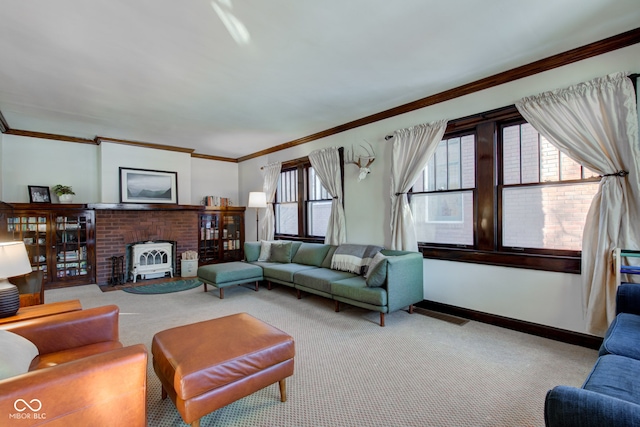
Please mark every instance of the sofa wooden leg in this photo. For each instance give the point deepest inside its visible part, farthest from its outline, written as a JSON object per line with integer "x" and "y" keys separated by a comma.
{"x": 269, "y": 285}
{"x": 196, "y": 423}
{"x": 411, "y": 309}
{"x": 163, "y": 393}
{"x": 283, "y": 390}
{"x": 221, "y": 293}
{"x": 336, "y": 305}
{"x": 298, "y": 294}
{"x": 205, "y": 286}
{"x": 257, "y": 286}
{"x": 381, "y": 319}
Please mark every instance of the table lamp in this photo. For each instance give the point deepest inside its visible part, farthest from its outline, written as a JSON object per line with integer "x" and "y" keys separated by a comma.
{"x": 14, "y": 261}
{"x": 257, "y": 199}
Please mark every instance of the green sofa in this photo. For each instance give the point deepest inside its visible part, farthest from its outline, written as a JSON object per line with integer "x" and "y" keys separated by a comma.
{"x": 308, "y": 269}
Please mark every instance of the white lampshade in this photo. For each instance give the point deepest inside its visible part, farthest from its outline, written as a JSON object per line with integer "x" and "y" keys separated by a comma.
{"x": 257, "y": 199}
{"x": 14, "y": 260}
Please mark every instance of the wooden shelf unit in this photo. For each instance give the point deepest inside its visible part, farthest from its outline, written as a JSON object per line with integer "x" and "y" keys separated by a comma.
{"x": 60, "y": 240}
{"x": 221, "y": 234}
{"x": 620, "y": 267}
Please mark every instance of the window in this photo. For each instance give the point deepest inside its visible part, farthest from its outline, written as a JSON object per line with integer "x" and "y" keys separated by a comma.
{"x": 442, "y": 199}
{"x": 545, "y": 195}
{"x": 286, "y": 206}
{"x": 318, "y": 206}
{"x": 302, "y": 204}
{"x": 497, "y": 192}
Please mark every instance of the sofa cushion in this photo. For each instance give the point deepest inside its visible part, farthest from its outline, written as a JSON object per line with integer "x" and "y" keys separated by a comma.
{"x": 614, "y": 376}
{"x": 16, "y": 354}
{"x": 280, "y": 252}
{"x": 294, "y": 248}
{"x": 623, "y": 337}
{"x": 229, "y": 272}
{"x": 327, "y": 259}
{"x": 311, "y": 254}
{"x": 376, "y": 274}
{"x": 283, "y": 272}
{"x": 355, "y": 288}
{"x": 319, "y": 278}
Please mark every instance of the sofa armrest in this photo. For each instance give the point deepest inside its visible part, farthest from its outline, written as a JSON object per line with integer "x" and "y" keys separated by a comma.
{"x": 576, "y": 407}
{"x": 69, "y": 330}
{"x": 100, "y": 390}
{"x": 404, "y": 280}
{"x": 628, "y": 298}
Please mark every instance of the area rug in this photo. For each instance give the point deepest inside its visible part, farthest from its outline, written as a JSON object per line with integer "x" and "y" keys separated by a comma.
{"x": 165, "y": 287}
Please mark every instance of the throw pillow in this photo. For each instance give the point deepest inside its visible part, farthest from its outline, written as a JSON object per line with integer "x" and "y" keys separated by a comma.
{"x": 265, "y": 250}
{"x": 280, "y": 252}
{"x": 16, "y": 354}
{"x": 377, "y": 272}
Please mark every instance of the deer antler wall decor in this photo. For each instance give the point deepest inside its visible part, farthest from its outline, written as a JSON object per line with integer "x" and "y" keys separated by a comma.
{"x": 359, "y": 160}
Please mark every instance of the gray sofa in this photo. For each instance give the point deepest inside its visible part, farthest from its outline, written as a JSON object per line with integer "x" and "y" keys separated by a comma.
{"x": 308, "y": 269}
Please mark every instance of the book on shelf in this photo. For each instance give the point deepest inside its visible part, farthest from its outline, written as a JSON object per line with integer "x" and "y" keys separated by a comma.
{"x": 216, "y": 201}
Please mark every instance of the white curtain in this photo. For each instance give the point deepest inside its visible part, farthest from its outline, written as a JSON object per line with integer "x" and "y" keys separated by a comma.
{"x": 596, "y": 124}
{"x": 271, "y": 176}
{"x": 326, "y": 163}
{"x": 412, "y": 148}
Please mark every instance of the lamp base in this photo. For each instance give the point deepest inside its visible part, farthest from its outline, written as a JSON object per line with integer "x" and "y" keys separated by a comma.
{"x": 9, "y": 299}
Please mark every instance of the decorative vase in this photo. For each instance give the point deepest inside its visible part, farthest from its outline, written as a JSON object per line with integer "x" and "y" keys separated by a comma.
{"x": 65, "y": 198}
{"x": 9, "y": 299}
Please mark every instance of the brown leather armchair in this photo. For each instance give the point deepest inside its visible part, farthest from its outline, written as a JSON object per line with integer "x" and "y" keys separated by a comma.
{"x": 83, "y": 376}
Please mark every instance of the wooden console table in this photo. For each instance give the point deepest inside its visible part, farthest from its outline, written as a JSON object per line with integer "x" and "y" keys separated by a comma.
{"x": 42, "y": 310}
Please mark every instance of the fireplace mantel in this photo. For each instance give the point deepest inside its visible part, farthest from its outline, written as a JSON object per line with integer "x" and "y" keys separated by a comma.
{"x": 143, "y": 207}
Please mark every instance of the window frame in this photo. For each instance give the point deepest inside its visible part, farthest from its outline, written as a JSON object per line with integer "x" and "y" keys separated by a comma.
{"x": 302, "y": 165}
{"x": 488, "y": 248}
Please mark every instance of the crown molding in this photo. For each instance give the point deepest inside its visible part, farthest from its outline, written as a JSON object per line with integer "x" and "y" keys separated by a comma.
{"x": 610, "y": 44}
{"x": 218, "y": 158}
{"x": 4, "y": 126}
{"x": 101, "y": 139}
{"x": 619, "y": 41}
{"x": 53, "y": 136}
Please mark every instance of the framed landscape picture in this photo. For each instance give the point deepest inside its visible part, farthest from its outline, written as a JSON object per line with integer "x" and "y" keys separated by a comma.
{"x": 148, "y": 186}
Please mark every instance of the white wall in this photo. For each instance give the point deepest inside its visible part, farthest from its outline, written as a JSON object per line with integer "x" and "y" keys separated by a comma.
{"x": 33, "y": 161}
{"x": 553, "y": 299}
{"x": 93, "y": 170}
{"x": 113, "y": 156}
{"x": 214, "y": 178}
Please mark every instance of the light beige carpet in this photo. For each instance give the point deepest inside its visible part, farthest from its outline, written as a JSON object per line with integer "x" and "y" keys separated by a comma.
{"x": 416, "y": 371}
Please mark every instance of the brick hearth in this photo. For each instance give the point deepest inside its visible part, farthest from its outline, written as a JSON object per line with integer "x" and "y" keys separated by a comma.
{"x": 117, "y": 228}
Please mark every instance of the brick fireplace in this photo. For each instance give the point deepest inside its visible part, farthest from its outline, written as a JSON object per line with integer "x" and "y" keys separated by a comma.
{"x": 118, "y": 228}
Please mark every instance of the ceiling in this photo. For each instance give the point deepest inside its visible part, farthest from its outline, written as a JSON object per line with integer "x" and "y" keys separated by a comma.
{"x": 233, "y": 77}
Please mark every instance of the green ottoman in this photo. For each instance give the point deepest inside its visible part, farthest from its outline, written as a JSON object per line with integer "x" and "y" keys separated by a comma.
{"x": 228, "y": 274}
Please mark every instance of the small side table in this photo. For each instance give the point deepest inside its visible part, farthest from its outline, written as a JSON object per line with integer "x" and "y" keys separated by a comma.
{"x": 42, "y": 310}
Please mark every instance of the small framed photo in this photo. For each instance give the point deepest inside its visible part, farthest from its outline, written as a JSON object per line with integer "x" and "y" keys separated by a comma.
{"x": 39, "y": 194}
{"x": 148, "y": 186}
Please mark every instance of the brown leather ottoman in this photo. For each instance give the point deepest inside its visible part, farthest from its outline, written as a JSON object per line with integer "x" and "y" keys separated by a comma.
{"x": 207, "y": 365}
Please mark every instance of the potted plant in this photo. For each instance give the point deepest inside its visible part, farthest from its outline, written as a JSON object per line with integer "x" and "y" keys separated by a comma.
{"x": 64, "y": 192}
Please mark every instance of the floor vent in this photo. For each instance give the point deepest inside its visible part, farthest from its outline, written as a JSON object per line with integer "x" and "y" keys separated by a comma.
{"x": 441, "y": 316}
